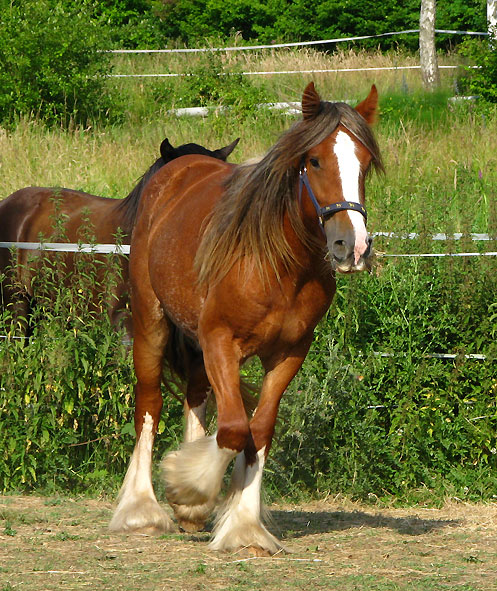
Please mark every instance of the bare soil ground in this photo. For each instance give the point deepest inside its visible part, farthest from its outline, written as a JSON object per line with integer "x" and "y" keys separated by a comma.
{"x": 61, "y": 543}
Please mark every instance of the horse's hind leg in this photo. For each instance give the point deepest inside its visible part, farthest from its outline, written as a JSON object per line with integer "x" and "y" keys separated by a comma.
{"x": 138, "y": 509}
{"x": 195, "y": 472}
{"x": 193, "y": 517}
{"x": 197, "y": 394}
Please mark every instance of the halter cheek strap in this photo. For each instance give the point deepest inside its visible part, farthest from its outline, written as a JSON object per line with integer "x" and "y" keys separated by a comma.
{"x": 327, "y": 211}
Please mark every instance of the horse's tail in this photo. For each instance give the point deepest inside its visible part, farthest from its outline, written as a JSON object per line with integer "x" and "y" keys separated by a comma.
{"x": 181, "y": 352}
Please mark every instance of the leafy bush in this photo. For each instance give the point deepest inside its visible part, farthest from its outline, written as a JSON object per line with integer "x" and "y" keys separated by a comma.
{"x": 51, "y": 63}
{"x": 191, "y": 21}
{"x": 129, "y": 23}
{"x": 404, "y": 425}
{"x": 481, "y": 81}
{"x": 210, "y": 83}
{"x": 66, "y": 392}
{"x": 353, "y": 422}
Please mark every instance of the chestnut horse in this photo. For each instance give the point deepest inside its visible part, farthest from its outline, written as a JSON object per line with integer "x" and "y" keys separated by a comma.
{"x": 240, "y": 261}
{"x": 30, "y": 213}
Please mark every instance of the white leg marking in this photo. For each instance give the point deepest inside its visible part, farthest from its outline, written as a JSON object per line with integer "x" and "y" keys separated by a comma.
{"x": 239, "y": 523}
{"x": 194, "y": 422}
{"x": 195, "y": 472}
{"x": 349, "y": 167}
{"x": 138, "y": 509}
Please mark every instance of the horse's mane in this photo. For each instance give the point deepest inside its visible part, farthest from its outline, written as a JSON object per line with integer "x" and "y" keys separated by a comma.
{"x": 248, "y": 220}
{"x": 128, "y": 207}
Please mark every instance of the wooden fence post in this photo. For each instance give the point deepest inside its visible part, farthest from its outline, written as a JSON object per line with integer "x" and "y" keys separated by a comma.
{"x": 427, "y": 51}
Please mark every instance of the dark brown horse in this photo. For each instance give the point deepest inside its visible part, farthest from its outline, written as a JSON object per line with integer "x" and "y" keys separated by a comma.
{"x": 241, "y": 261}
{"x": 29, "y": 213}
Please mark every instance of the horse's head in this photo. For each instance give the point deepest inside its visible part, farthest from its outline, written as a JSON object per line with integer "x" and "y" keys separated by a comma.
{"x": 169, "y": 152}
{"x": 333, "y": 173}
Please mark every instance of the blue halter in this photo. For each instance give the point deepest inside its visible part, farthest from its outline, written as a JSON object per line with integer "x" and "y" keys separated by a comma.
{"x": 327, "y": 211}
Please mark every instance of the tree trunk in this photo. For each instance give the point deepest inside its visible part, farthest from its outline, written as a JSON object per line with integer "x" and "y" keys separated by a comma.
{"x": 492, "y": 21}
{"x": 427, "y": 52}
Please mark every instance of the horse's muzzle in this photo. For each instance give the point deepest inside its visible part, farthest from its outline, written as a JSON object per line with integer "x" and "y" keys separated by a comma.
{"x": 345, "y": 261}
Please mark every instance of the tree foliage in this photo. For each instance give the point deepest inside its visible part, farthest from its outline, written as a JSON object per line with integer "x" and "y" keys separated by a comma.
{"x": 51, "y": 63}
{"x": 278, "y": 20}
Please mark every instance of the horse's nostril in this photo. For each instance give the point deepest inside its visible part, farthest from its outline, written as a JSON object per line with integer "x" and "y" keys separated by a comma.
{"x": 369, "y": 242}
{"x": 339, "y": 249}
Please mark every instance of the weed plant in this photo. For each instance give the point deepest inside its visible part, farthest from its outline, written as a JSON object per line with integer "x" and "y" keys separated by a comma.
{"x": 408, "y": 426}
{"x": 66, "y": 390}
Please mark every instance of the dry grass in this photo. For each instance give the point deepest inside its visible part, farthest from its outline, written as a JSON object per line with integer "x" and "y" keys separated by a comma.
{"x": 337, "y": 86}
{"x": 438, "y": 165}
{"x": 50, "y": 544}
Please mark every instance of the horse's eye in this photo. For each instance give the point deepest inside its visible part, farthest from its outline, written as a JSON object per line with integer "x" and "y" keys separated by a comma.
{"x": 314, "y": 162}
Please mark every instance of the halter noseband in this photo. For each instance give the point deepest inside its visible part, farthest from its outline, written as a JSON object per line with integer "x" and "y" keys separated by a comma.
{"x": 327, "y": 211}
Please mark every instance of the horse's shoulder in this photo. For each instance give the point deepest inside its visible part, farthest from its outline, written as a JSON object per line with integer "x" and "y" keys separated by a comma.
{"x": 183, "y": 173}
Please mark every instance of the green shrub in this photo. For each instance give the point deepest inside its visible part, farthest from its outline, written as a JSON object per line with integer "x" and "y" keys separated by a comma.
{"x": 211, "y": 83}
{"x": 66, "y": 392}
{"x": 481, "y": 81}
{"x": 51, "y": 63}
{"x": 192, "y": 21}
{"x": 405, "y": 425}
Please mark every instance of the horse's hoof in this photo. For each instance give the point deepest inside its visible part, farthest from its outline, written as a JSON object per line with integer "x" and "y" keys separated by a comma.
{"x": 251, "y": 551}
{"x": 191, "y": 526}
{"x": 142, "y": 516}
{"x": 191, "y": 518}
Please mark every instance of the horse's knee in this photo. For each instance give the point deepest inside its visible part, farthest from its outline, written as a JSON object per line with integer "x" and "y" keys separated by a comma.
{"x": 233, "y": 434}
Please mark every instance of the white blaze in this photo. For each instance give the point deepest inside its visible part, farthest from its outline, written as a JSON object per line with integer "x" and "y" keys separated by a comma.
{"x": 349, "y": 168}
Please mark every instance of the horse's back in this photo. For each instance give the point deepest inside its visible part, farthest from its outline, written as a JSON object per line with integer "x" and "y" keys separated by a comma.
{"x": 32, "y": 211}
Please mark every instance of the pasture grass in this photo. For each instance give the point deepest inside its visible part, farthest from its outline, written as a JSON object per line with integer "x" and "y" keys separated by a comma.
{"x": 334, "y": 545}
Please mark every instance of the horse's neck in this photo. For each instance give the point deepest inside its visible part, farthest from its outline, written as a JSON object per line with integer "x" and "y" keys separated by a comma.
{"x": 127, "y": 208}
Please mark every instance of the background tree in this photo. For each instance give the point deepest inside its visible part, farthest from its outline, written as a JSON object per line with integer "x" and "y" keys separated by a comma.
{"x": 51, "y": 63}
{"x": 427, "y": 49}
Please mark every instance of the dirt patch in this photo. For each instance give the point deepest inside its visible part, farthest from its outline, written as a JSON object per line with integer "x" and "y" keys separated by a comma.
{"x": 52, "y": 543}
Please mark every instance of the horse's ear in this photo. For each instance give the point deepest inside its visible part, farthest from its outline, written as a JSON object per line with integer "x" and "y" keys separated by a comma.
{"x": 223, "y": 153}
{"x": 311, "y": 102}
{"x": 167, "y": 151}
{"x": 368, "y": 108}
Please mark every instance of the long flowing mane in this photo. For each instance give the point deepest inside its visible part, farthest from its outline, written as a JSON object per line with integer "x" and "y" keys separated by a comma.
{"x": 249, "y": 219}
{"x": 128, "y": 207}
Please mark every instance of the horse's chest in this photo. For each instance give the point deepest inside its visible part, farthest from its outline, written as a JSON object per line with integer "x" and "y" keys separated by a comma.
{"x": 282, "y": 323}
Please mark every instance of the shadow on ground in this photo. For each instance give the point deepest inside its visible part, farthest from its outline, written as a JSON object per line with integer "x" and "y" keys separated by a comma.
{"x": 303, "y": 523}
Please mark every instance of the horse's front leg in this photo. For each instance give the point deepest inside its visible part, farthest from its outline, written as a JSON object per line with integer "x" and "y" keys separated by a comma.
{"x": 194, "y": 473}
{"x": 239, "y": 522}
{"x": 138, "y": 509}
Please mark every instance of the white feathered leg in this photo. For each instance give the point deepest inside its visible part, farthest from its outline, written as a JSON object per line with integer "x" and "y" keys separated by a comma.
{"x": 138, "y": 509}
{"x": 193, "y": 476}
{"x": 193, "y": 517}
{"x": 239, "y": 524}
{"x": 195, "y": 422}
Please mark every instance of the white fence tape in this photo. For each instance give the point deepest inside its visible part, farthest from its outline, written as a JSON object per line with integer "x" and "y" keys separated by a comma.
{"x": 124, "y": 248}
{"x": 274, "y": 72}
{"x": 476, "y": 356}
{"x": 69, "y": 247}
{"x": 295, "y": 44}
{"x": 443, "y": 254}
{"x": 441, "y": 236}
